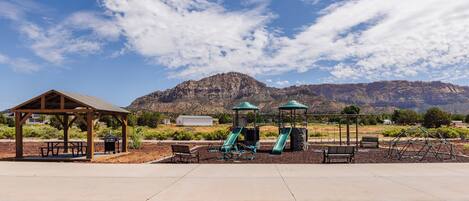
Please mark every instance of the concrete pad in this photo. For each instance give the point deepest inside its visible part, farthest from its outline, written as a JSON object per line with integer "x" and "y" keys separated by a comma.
{"x": 94, "y": 170}
{"x": 445, "y": 188}
{"x": 323, "y": 170}
{"x": 226, "y": 189}
{"x": 352, "y": 188}
{"x": 235, "y": 170}
{"x": 420, "y": 169}
{"x": 80, "y": 189}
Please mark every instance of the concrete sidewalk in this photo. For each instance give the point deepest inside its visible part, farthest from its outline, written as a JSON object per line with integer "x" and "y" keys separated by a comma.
{"x": 166, "y": 182}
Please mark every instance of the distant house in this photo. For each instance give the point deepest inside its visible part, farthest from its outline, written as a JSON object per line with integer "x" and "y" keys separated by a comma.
{"x": 460, "y": 124}
{"x": 34, "y": 119}
{"x": 185, "y": 120}
{"x": 166, "y": 121}
{"x": 387, "y": 122}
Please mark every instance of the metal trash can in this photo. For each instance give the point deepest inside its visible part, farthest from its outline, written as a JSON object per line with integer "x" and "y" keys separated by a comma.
{"x": 110, "y": 142}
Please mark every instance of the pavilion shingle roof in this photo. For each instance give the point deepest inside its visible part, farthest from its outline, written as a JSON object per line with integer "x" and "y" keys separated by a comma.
{"x": 94, "y": 102}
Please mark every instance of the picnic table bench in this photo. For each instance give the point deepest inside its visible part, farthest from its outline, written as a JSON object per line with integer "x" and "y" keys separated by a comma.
{"x": 184, "y": 152}
{"x": 53, "y": 147}
{"x": 368, "y": 141}
{"x": 342, "y": 152}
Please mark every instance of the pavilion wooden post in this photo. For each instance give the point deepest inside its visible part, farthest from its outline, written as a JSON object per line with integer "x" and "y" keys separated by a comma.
{"x": 19, "y": 135}
{"x": 124, "y": 133}
{"x": 89, "y": 136}
{"x": 66, "y": 136}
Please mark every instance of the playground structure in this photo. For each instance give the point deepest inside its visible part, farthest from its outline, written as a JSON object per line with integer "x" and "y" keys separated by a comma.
{"x": 408, "y": 145}
{"x": 231, "y": 148}
{"x": 298, "y": 132}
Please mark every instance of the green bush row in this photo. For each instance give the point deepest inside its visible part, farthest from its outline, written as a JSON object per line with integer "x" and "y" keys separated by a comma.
{"x": 185, "y": 135}
{"x": 445, "y": 132}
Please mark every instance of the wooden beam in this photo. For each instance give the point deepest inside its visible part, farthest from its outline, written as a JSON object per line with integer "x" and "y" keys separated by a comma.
{"x": 72, "y": 121}
{"x": 124, "y": 133}
{"x": 60, "y": 119}
{"x": 89, "y": 136}
{"x": 43, "y": 102}
{"x": 62, "y": 102}
{"x": 24, "y": 118}
{"x": 118, "y": 119}
{"x": 53, "y": 111}
{"x": 19, "y": 135}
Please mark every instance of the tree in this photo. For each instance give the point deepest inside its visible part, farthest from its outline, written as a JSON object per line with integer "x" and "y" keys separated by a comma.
{"x": 3, "y": 119}
{"x": 110, "y": 121}
{"x": 435, "y": 118}
{"x": 150, "y": 119}
{"x": 55, "y": 122}
{"x": 132, "y": 120}
{"x": 351, "y": 109}
{"x": 467, "y": 119}
{"x": 224, "y": 118}
{"x": 405, "y": 117}
{"x": 457, "y": 117}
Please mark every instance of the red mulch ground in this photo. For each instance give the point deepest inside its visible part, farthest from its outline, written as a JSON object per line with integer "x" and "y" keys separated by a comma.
{"x": 156, "y": 151}
{"x": 314, "y": 155}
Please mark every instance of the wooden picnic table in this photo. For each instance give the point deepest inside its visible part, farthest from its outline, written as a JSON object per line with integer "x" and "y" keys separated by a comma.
{"x": 55, "y": 146}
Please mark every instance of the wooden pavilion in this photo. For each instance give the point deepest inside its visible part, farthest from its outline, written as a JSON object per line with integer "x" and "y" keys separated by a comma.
{"x": 69, "y": 107}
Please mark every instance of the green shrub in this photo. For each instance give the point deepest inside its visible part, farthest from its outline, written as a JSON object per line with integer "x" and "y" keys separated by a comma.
{"x": 7, "y": 132}
{"x": 136, "y": 137}
{"x": 76, "y": 133}
{"x": 182, "y": 135}
{"x": 104, "y": 131}
{"x": 216, "y": 135}
{"x": 315, "y": 134}
{"x": 269, "y": 134}
{"x": 444, "y": 132}
{"x": 155, "y": 135}
{"x": 392, "y": 132}
{"x": 41, "y": 131}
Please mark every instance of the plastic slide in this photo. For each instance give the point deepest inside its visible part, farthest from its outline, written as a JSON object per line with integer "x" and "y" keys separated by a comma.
{"x": 281, "y": 141}
{"x": 231, "y": 140}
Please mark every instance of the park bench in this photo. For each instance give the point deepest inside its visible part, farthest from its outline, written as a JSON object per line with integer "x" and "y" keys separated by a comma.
{"x": 183, "y": 153}
{"x": 368, "y": 141}
{"x": 341, "y": 152}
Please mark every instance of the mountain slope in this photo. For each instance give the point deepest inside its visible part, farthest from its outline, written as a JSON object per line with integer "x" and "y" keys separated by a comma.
{"x": 220, "y": 92}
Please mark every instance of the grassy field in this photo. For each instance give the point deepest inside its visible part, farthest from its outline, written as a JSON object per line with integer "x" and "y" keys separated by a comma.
{"x": 317, "y": 131}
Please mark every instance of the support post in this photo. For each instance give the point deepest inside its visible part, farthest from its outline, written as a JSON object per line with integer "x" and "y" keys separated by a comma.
{"x": 89, "y": 136}
{"x": 348, "y": 131}
{"x": 124, "y": 133}
{"x": 340, "y": 132}
{"x": 19, "y": 135}
{"x": 66, "y": 136}
{"x": 356, "y": 132}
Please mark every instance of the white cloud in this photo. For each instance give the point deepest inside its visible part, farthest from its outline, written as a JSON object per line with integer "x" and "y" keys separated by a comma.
{"x": 197, "y": 37}
{"x": 367, "y": 39}
{"x": 19, "y": 64}
{"x": 80, "y": 33}
{"x": 282, "y": 82}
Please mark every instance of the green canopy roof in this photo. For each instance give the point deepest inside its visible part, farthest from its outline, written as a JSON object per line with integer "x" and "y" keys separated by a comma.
{"x": 245, "y": 106}
{"x": 292, "y": 105}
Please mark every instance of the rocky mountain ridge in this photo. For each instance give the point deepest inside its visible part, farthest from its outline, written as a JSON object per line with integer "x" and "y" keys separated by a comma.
{"x": 219, "y": 93}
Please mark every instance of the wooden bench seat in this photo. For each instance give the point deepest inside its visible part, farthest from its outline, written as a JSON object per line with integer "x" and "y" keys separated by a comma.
{"x": 368, "y": 141}
{"x": 339, "y": 152}
{"x": 184, "y": 153}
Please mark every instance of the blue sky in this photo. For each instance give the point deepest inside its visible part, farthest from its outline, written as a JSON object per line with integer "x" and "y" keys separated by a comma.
{"x": 120, "y": 50}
